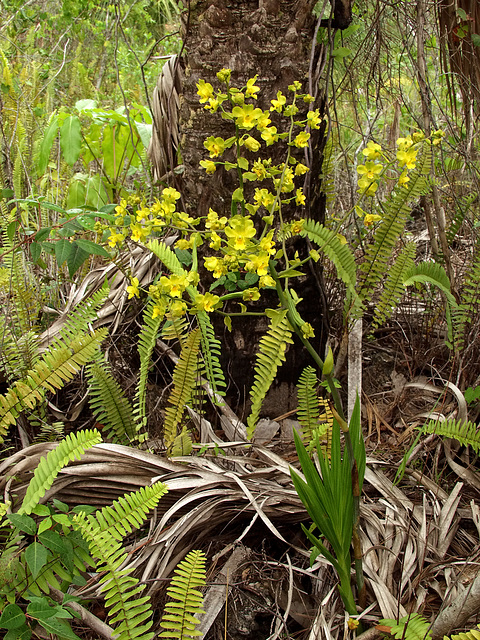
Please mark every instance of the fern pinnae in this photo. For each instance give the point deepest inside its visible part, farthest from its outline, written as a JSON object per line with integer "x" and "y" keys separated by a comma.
{"x": 394, "y": 285}
{"x": 180, "y": 616}
{"x": 74, "y": 445}
{"x": 473, "y": 634}
{"x": 184, "y": 381}
{"x": 211, "y": 352}
{"x": 308, "y": 409}
{"x": 167, "y": 256}
{"x": 270, "y": 356}
{"x": 396, "y": 211}
{"x": 411, "y": 627}
{"x": 466, "y": 433}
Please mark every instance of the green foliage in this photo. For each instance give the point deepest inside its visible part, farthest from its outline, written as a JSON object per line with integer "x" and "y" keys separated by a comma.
{"x": 411, "y": 627}
{"x": 271, "y": 354}
{"x": 211, "y": 352}
{"x": 464, "y": 432}
{"x": 473, "y": 634}
{"x": 465, "y": 315}
{"x": 104, "y": 531}
{"x": 329, "y": 500}
{"x": 180, "y": 615}
{"x": 308, "y": 409}
{"x": 184, "y": 381}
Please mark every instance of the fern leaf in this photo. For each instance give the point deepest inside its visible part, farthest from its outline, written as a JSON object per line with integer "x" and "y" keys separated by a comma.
{"x": 50, "y": 373}
{"x": 104, "y": 531}
{"x": 411, "y": 627}
{"x": 78, "y": 319}
{"x": 74, "y": 445}
{"x": 110, "y": 406}
{"x": 270, "y": 356}
{"x": 146, "y": 344}
{"x": 473, "y": 634}
{"x": 176, "y": 329}
{"x": 465, "y": 432}
{"x": 167, "y": 256}
{"x": 180, "y": 617}
{"x": 465, "y": 314}
{"x": 397, "y": 209}
{"x": 431, "y": 273}
{"x": 394, "y": 285}
{"x": 308, "y": 409}
{"x": 184, "y": 380}
{"x": 211, "y": 352}
{"x": 340, "y": 254}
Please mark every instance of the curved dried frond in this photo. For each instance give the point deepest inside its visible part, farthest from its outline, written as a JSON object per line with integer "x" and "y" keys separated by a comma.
{"x": 270, "y": 356}
{"x": 179, "y": 617}
{"x": 74, "y": 445}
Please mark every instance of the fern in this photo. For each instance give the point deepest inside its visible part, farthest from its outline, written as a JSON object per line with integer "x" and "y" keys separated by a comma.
{"x": 473, "y": 634}
{"x": 323, "y": 431}
{"x": 308, "y": 409}
{"x": 431, "y": 273}
{"x": 270, "y": 356}
{"x": 85, "y": 313}
{"x": 394, "y": 285}
{"x": 48, "y": 468}
{"x": 167, "y": 256}
{"x": 340, "y": 254}
{"x": 411, "y": 627}
{"x": 184, "y": 380}
{"x": 55, "y": 368}
{"x": 465, "y": 432}
{"x": 176, "y": 329}
{"x": 470, "y": 301}
{"x": 104, "y": 531}
{"x": 110, "y": 405}
{"x": 211, "y": 351}
{"x": 146, "y": 344}
{"x": 397, "y": 209}
{"x": 179, "y": 617}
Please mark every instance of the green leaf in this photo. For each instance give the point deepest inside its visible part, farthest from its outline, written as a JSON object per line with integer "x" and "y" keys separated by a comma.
{"x": 85, "y": 105}
{"x": 58, "y": 628}
{"x": 36, "y": 556}
{"x": 145, "y": 132}
{"x": 63, "y": 249}
{"x": 21, "y": 633}
{"x": 92, "y": 248}
{"x": 42, "y": 234}
{"x": 23, "y": 523}
{"x": 12, "y": 229}
{"x": 76, "y": 258}
{"x": 41, "y": 510}
{"x": 243, "y": 163}
{"x": 61, "y": 506}
{"x": 40, "y": 609}
{"x": 35, "y": 251}
{"x": 12, "y": 617}
{"x": 46, "y": 146}
{"x": 237, "y": 195}
{"x": 341, "y": 52}
{"x": 71, "y": 139}
{"x": 476, "y": 40}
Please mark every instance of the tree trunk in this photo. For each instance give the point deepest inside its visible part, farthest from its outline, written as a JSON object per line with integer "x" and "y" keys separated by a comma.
{"x": 276, "y": 40}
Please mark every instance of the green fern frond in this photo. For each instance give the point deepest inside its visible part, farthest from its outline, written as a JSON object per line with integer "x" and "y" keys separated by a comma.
{"x": 466, "y": 433}
{"x": 180, "y": 616}
{"x": 167, "y": 256}
{"x": 109, "y": 404}
{"x": 104, "y": 531}
{"x": 270, "y": 356}
{"x": 340, "y": 254}
{"x": 431, "y": 273}
{"x": 184, "y": 380}
{"x": 211, "y": 352}
{"x": 50, "y": 373}
{"x": 176, "y": 329}
{"x": 18, "y": 354}
{"x": 72, "y": 448}
{"x": 469, "y": 305}
{"x": 394, "y": 285}
{"x": 146, "y": 344}
{"x": 83, "y": 314}
{"x": 327, "y": 178}
{"x": 473, "y": 634}
{"x": 411, "y": 627}
{"x": 396, "y": 211}
{"x": 308, "y": 409}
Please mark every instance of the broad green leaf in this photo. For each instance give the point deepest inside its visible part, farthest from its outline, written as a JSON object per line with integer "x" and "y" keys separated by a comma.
{"x": 21, "y": 633}
{"x": 12, "y": 229}
{"x": 63, "y": 249}
{"x": 71, "y": 139}
{"x": 145, "y": 132}
{"x": 92, "y": 248}
{"x": 23, "y": 523}
{"x": 40, "y": 609}
{"x": 76, "y": 258}
{"x": 46, "y": 146}
{"x": 35, "y": 251}
{"x": 341, "y": 52}
{"x": 12, "y": 617}
{"x": 42, "y": 234}
{"x": 476, "y": 40}
{"x": 36, "y": 556}
{"x": 77, "y": 194}
{"x": 85, "y": 105}
{"x": 58, "y": 629}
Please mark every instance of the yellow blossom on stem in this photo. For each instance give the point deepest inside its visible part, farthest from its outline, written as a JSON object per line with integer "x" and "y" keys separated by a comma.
{"x": 437, "y": 136}
{"x": 314, "y": 119}
{"x": 264, "y": 197}
{"x": 169, "y": 194}
{"x": 251, "y": 143}
{"x": 214, "y": 222}
{"x": 133, "y": 290}
{"x": 215, "y": 241}
{"x": 174, "y": 285}
{"x": 251, "y": 294}
{"x": 403, "y": 179}
{"x": 206, "y": 302}
{"x": 278, "y": 104}
{"x": 295, "y": 86}
{"x": 246, "y": 116}
{"x": 224, "y": 75}
{"x": 372, "y": 151}
{"x": 267, "y": 243}
{"x": 178, "y": 308}
{"x": 302, "y": 139}
{"x": 208, "y": 165}
{"x": 216, "y": 265}
{"x": 300, "y": 197}
{"x": 216, "y": 146}
{"x": 139, "y": 232}
{"x": 158, "y": 309}
{"x": 266, "y": 281}
{"x": 239, "y": 231}
{"x": 371, "y": 218}
{"x": 404, "y": 143}
{"x": 300, "y": 169}
{"x": 258, "y": 263}
{"x": 407, "y": 157}
{"x": 205, "y": 91}
{"x": 264, "y": 120}
{"x": 259, "y": 170}
{"x": 115, "y": 238}
{"x": 307, "y": 330}
{"x": 251, "y": 90}
{"x": 269, "y": 134}
{"x": 370, "y": 170}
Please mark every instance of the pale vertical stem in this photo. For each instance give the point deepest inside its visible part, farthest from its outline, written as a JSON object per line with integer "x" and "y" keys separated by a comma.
{"x": 354, "y": 365}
